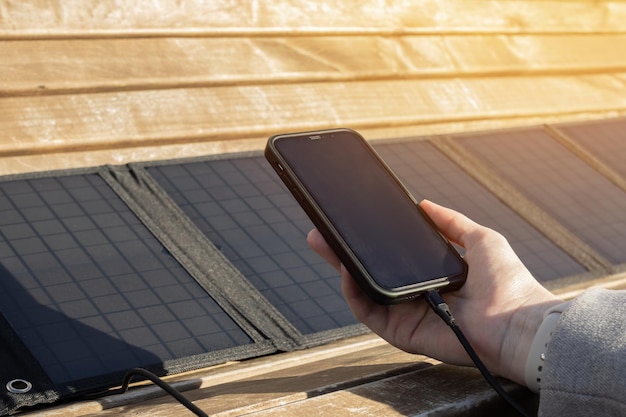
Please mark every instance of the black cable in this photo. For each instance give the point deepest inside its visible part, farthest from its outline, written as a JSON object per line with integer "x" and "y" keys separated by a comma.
{"x": 437, "y": 304}
{"x": 440, "y": 307}
{"x": 157, "y": 381}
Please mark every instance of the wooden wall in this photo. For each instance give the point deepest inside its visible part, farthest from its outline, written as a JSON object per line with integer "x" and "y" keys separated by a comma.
{"x": 86, "y": 82}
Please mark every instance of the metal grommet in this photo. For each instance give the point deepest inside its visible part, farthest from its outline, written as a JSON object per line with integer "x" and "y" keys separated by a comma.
{"x": 19, "y": 386}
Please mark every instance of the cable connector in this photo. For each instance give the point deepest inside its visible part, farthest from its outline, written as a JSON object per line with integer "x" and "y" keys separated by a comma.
{"x": 442, "y": 310}
{"x": 440, "y": 307}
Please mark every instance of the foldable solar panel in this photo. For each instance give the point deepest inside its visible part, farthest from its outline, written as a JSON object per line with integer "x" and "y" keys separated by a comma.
{"x": 588, "y": 204}
{"x": 429, "y": 174}
{"x": 175, "y": 265}
{"x": 88, "y": 292}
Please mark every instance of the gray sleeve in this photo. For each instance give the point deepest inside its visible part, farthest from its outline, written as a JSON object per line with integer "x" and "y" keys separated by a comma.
{"x": 585, "y": 366}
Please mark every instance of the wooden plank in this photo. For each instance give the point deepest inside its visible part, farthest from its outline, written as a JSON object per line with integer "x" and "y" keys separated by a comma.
{"x": 611, "y": 282}
{"x": 441, "y": 390}
{"x": 92, "y": 18}
{"x": 99, "y": 65}
{"x": 262, "y": 383}
{"x": 77, "y": 158}
{"x": 53, "y": 124}
{"x": 410, "y": 392}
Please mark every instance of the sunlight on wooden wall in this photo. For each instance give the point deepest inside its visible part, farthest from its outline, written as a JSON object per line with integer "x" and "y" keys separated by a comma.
{"x": 87, "y": 83}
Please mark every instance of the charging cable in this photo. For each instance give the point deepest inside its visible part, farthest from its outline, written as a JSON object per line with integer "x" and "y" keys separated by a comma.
{"x": 439, "y": 306}
{"x": 155, "y": 380}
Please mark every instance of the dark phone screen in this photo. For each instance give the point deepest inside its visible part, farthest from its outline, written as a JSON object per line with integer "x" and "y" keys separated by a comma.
{"x": 379, "y": 222}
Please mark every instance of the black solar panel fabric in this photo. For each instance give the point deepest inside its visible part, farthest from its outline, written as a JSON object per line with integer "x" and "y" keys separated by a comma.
{"x": 588, "y": 204}
{"x": 90, "y": 290}
{"x": 243, "y": 208}
{"x": 174, "y": 265}
{"x": 429, "y": 174}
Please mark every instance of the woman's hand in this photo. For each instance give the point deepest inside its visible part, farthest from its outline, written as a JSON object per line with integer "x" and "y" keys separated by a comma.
{"x": 499, "y": 308}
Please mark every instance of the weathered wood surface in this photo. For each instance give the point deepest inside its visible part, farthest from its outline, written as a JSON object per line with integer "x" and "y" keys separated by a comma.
{"x": 117, "y": 120}
{"x": 359, "y": 377}
{"x": 45, "y": 67}
{"x": 57, "y": 17}
{"x": 85, "y": 83}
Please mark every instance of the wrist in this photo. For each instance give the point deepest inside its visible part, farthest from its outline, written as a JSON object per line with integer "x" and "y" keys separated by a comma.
{"x": 521, "y": 332}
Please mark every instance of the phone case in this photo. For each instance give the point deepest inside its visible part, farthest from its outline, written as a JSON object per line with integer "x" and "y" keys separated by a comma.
{"x": 336, "y": 242}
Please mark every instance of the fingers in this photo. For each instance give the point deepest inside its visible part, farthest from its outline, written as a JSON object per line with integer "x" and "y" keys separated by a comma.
{"x": 452, "y": 224}
{"x": 455, "y": 226}
{"x": 362, "y": 306}
{"x": 318, "y": 244}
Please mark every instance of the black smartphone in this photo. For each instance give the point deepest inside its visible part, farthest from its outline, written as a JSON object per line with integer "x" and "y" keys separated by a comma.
{"x": 371, "y": 221}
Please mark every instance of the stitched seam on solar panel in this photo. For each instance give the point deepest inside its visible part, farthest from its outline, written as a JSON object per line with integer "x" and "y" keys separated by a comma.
{"x": 277, "y": 264}
{"x": 263, "y": 235}
{"x": 57, "y": 235}
{"x": 586, "y": 203}
{"x": 429, "y": 173}
{"x": 213, "y": 271}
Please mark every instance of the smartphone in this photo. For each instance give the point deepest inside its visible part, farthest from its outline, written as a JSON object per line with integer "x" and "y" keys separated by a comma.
{"x": 374, "y": 225}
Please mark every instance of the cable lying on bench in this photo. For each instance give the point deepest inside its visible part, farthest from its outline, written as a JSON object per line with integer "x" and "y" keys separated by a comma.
{"x": 158, "y": 382}
{"x": 437, "y": 304}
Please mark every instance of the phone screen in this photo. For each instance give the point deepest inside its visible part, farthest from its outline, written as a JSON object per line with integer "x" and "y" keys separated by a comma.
{"x": 376, "y": 218}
